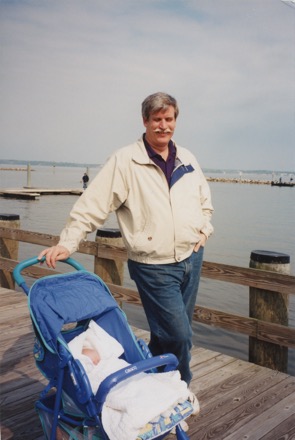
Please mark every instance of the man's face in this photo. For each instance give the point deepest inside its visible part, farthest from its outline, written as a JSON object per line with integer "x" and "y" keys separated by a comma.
{"x": 160, "y": 128}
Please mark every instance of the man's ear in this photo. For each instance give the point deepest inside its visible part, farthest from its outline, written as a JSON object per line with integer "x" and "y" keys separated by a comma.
{"x": 145, "y": 121}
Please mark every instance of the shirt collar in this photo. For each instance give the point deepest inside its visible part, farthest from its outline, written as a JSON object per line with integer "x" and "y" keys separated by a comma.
{"x": 153, "y": 153}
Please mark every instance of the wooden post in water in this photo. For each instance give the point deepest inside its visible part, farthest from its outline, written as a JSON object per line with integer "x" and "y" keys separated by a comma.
{"x": 270, "y": 307}
{"x": 110, "y": 271}
{"x": 28, "y": 175}
{"x": 8, "y": 248}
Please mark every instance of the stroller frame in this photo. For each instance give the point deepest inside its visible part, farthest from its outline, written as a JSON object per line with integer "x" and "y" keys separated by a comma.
{"x": 47, "y": 298}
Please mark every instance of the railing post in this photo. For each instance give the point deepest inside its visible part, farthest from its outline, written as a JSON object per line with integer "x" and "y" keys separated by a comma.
{"x": 8, "y": 248}
{"x": 111, "y": 271}
{"x": 270, "y": 307}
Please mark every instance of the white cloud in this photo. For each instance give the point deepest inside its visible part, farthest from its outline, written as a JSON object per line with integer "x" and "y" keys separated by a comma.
{"x": 73, "y": 75}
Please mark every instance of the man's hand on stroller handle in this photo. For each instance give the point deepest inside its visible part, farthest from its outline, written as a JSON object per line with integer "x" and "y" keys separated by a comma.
{"x": 54, "y": 254}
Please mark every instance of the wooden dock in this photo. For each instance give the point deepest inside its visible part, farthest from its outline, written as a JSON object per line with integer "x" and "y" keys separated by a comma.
{"x": 35, "y": 193}
{"x": 238, "y": 400}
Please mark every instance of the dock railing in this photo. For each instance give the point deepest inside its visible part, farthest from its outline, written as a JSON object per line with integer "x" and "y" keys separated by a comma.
{"x": 273, "y": 338}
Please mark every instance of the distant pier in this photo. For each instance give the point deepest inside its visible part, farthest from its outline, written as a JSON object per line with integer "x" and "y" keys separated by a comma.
{"x": 35, "y": 193}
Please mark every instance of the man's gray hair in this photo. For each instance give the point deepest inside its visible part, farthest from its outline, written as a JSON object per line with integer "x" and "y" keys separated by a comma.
{"x": 156, "y": 102}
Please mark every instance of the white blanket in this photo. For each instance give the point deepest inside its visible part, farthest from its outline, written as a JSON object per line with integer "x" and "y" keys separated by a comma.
{"x": 96, "y": 337}
{"x": 130, "y": 405}
{"x": 133, "y": 403}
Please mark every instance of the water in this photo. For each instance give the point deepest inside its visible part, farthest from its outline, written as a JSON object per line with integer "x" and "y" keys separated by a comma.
{"x": 247, "y": 217}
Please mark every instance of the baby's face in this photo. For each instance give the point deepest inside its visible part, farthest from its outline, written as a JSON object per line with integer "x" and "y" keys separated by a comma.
{"x": 92, "y": 354}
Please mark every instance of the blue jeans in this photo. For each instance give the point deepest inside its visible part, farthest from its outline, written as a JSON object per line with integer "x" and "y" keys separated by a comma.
{"x": 168, "y": 294}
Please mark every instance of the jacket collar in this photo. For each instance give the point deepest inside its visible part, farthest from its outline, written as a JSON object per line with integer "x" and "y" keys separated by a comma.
{"x": 139, "y": 153}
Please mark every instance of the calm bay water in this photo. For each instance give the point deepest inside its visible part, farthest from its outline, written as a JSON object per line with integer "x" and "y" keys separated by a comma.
{"x": 246, "y": 218}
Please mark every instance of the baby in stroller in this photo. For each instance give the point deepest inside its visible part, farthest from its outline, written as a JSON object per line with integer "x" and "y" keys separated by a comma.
{"x": 130, "y": 404}
{"x": 92, "y": 354}
{"x": 99, "y": 354}
{"x": 69, "y": 312}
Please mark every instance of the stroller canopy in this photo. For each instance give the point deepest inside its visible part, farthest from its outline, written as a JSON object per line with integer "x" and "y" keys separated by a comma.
{"x": 61, "y": 299}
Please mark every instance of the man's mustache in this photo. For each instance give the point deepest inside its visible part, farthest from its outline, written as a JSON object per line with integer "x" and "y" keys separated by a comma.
{"x": 167, "y": 130}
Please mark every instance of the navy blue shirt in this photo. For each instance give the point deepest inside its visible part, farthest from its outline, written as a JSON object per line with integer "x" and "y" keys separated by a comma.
{"x": 167, "y": 165}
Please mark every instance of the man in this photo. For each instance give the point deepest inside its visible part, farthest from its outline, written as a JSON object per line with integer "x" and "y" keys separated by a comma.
{"x": 85, "y": 180}
{"x": 163, "y": 206}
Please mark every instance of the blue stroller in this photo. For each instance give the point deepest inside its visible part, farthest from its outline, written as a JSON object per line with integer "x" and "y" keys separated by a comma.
{"x": 61, "y": 307}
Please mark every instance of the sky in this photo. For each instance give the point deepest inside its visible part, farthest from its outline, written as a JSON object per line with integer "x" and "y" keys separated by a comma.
{"x": 73, "y": 75}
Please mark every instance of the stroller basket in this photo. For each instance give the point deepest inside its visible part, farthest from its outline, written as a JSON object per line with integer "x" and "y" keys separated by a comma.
{"x": 63, "y": 309}
{"x": 68, "y": 428}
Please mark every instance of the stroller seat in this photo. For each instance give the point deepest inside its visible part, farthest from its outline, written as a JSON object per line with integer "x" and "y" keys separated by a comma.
{"x": 61, "y": 308}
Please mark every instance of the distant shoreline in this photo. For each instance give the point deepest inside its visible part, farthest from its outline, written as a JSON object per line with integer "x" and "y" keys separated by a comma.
{"x": 238, "y": 180}
{"x": 14, "y": 169}
{"x": 210, "y": 179}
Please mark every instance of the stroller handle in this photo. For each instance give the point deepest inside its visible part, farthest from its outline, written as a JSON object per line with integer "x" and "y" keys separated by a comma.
{"x": 30, "y": 262}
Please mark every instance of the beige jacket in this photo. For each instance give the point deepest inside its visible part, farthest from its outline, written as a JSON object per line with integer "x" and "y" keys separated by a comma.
{"x": 158, "y": 225}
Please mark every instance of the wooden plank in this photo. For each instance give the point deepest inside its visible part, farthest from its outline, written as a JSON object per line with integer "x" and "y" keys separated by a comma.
{"x": 238, "y": 399}
{"x": 244, "y": 276}
{"x": 21, "y": 385}
{"x": 13, "y": 313}
{"x": 273, "y": 333}
{"x": 9, "y": 322}
{"x": 14, "y": 302}
{"x": 12, "y": 310}
{"x": 227, "y": 378}
{"x": 284, "y": 431}
{"x": 238, "y": 384}
{"x": 278, "y": 334}
{"x": 265, "y": 331}
{"x": 228, "y": 413}
{"x": 36, "y": 271}
{"x": 14, "y": 351}
{"x": 20, "y": 195}
{"x": 87, "y": 247}
{"x": 8, "y": 292}
{"x": 21, "y": 374}
{"x": 10, "y": 331}
{"x": 263, "y": 426}
{"x": 124, "y": 295}
{"x": 217, "y": 318}
{"x": 40, "y": 191}
{"x": 261, "y": 279}
{"x": 211, "y": 364}
{"x": 28, "y": 236}
{"x": 14, "y": 428}
{"x": 12, "y": 298}
{"x": 22, "y": 395}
